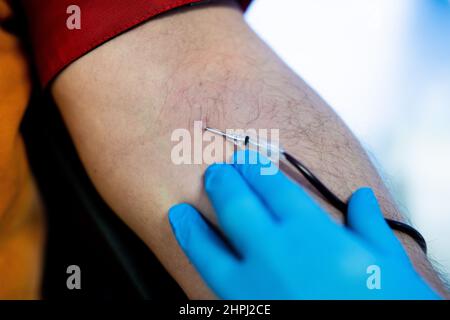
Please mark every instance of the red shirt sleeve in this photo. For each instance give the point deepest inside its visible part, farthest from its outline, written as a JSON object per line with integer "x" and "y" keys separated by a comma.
{"x": 55, "y": 46}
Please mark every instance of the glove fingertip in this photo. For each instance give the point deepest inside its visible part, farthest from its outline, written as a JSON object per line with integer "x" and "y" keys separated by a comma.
{"x": 181, "y": 218}
{"x": 214, "y": 175}
{"x": 363, "y": 198}
{"x": 364, "y": 194}
{"x": 366, "y": 218}
{"x": 177, "y": 212}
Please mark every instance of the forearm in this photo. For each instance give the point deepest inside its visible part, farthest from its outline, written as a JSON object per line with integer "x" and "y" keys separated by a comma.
{"x": 122, "y": 102}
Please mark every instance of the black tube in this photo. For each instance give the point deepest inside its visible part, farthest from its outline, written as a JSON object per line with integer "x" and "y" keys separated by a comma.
{"x": 342, "y": 206}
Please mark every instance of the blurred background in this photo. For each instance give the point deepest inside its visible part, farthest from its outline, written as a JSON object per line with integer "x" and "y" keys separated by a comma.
{"x": 384, "y": 66}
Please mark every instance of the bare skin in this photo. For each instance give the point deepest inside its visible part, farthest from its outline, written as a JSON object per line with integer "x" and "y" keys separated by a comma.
{"x": 122, "y": 101}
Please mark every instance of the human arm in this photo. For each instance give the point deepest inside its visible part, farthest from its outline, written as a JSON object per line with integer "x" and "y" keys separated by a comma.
{"x": 122, "y": 101}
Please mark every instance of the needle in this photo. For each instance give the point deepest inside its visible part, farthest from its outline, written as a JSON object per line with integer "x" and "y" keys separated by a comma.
{"x": 235, "y": 138}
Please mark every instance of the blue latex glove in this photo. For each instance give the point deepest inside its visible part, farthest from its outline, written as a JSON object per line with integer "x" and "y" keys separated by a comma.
{"x": 289, "y": 246}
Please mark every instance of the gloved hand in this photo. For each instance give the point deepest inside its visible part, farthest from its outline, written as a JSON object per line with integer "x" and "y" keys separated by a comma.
{"x": 289, "y": 247}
